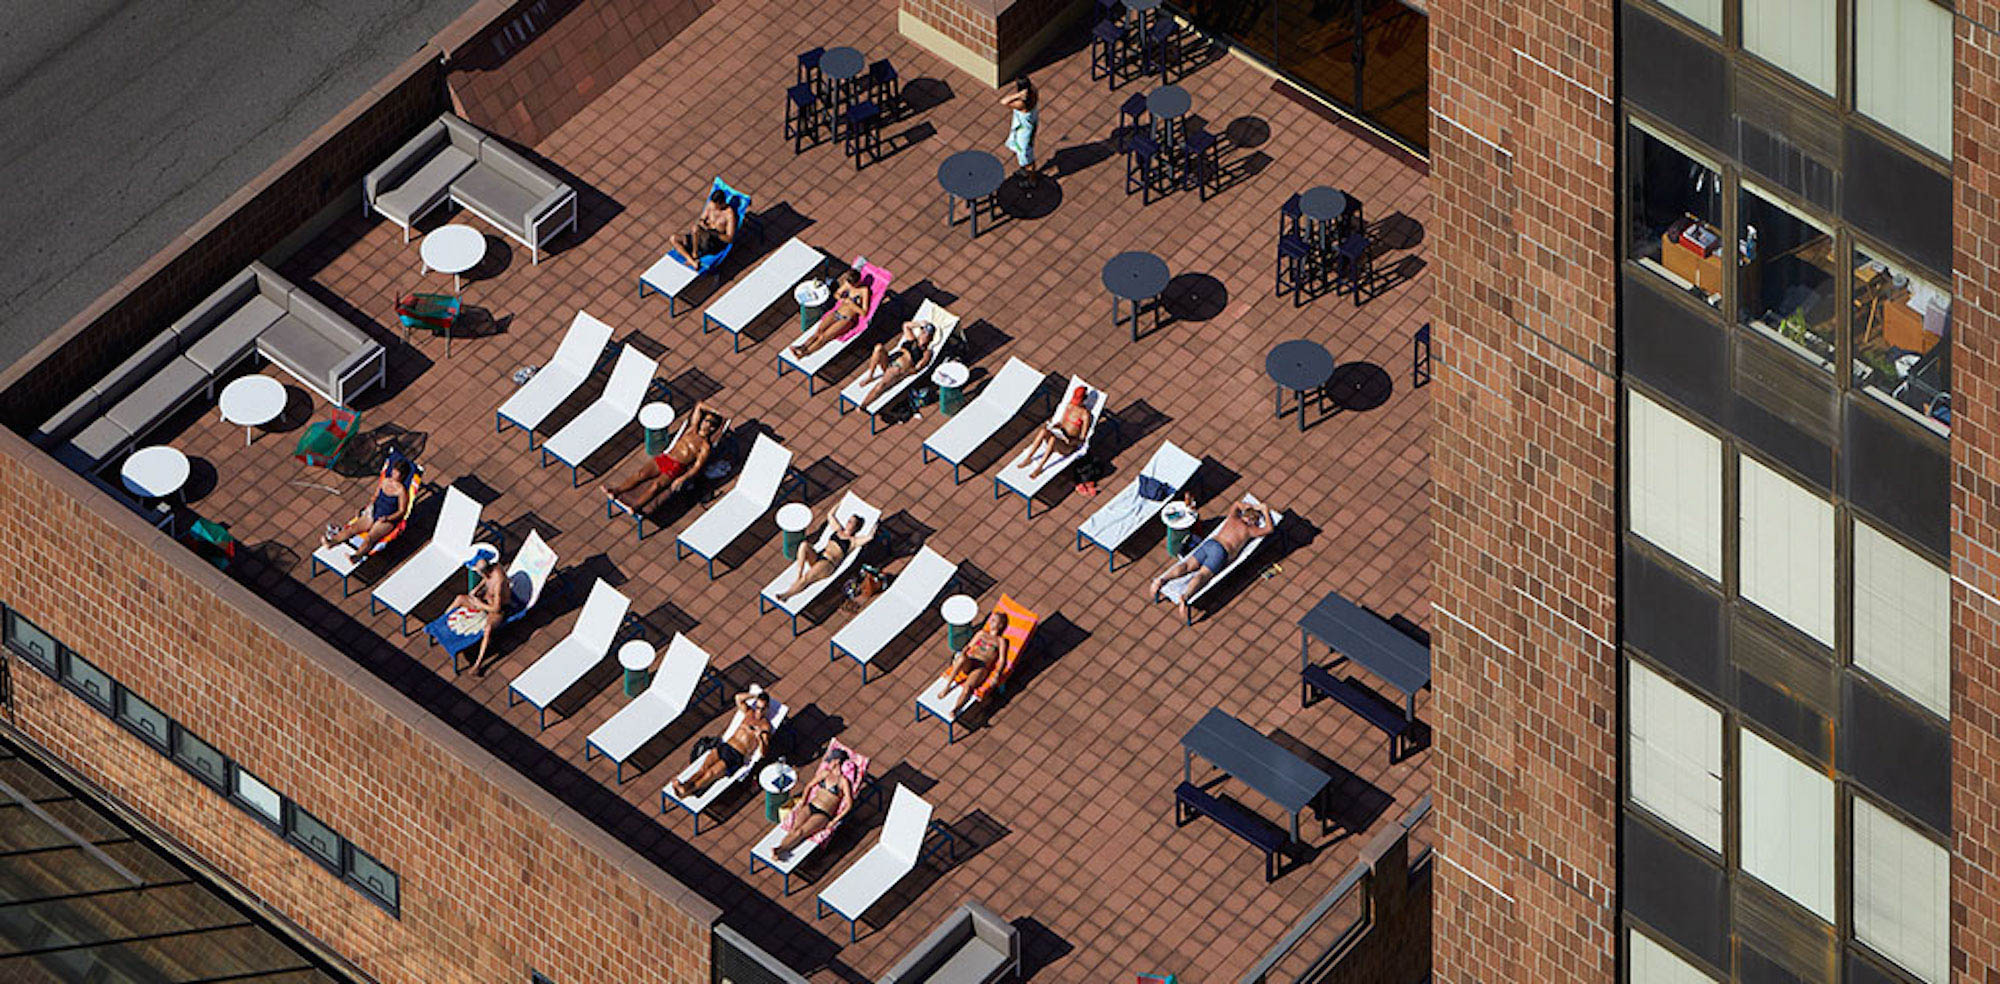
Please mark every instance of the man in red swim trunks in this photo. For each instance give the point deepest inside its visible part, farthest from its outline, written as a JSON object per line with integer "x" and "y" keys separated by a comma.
{"x": 1060, "y": 437}
{"x": 665, "y": 473}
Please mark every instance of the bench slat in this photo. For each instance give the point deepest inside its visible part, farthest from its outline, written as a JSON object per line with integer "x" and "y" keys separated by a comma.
{"x": 1360, "y": 702}
{"x": 1255, "y": 829}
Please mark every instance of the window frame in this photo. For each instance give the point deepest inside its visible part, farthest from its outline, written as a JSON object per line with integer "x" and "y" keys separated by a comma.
{"x": 352, "y": 876}
{"x": 219, "y": 783}
{"x": 237, "y": 773}
{"x": 51, "y": 669}
{"x": 78, "y": 684}
{"x": 338, "y": 862}
{"x": 163, "y": 743}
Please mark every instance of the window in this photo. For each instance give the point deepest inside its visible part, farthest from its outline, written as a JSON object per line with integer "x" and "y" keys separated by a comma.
{"x": 316, "y": 838}
{"x": 375, "y": 880}
{"x": 1652, "y": 963}
{"x": 1795, "y": 35}
{"x": 1786, "y": 286}
{"x": 1902, "y": 330}
{"x": 262, "y": 801}
{"x": 1902, "y": 619}
{"x": 1676, "y": 212}
{"x": 145, "y": 720}
{"x": 1786, "y": 560}
{"x": 1786, "y": 823}
{"x": 32, "y": 644}
{"x": 1675, "y": 482}
{"x": 1902, "y": 888}
{"x": 201, "y": 758}
{"x": 1902, "y": 68}
{"x": 92, "y": 684}
{"x": 1707, "y": 13}
{"x": 1675, "y": 754}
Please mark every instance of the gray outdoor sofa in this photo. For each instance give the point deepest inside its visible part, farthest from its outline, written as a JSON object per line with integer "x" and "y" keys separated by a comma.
{"x": 454, "y": 160}
{"x": 256, "y": 312}
{"x": 972, "y": 946}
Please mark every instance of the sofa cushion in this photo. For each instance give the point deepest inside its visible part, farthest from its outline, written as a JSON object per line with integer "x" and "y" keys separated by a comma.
{"x": 424, "y": 186}
{"x": 407, "y": 158}
{"x": 162, "y": 391}
{"x": 92, "y": 445}
{"x": 464, "y": 136}
{"x": 516, "y": 168}
{"x": 974, "y": 963}
{"x": 138, "y": 367}
{"x": 230, "y": 339}
{"x": 215, "y": 307}
{"x": 497, "y": 199}
{"x": 308, "y": 309}
{"x": 303, "y": 349}
{"x": 81, "y": 411}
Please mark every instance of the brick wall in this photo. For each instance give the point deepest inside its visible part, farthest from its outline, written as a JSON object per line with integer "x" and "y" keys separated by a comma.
{"x": 974, "y": 24}
{"x": 993, "y": 40}
{"x": 1525, "y": 466}
{"x": 1975, "y": 468}
{"x": 497, "y": 876}
{"x": 522, "y": 68}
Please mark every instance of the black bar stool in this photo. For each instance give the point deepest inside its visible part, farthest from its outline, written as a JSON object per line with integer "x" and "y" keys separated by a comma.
{"x": 809, "y": 67}
{"x": 1297, "y": 269}
{"x": 1107, "y": 52}
{"x": 885, "y": 87}
{"x": 803, "y": 116}
{"x": 1201, "y": 163}
{"x": 1142, "y": 165}
{"x": 864, "y": 133}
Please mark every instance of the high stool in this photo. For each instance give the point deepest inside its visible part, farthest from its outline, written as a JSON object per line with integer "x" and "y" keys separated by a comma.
{"x": 803, "y": 116}
{"x": 1296, "y": 269}
{"x": 885, "y": 87}
{"x": 1107, "y": 52}
{"x": 1163, "y": 55}
{"x": 1141, "y": 161}
{"x": 1132, "y": 118}
{"x": 1201, "y": 165}
{"x": 809, "y": 67}
{"x": 1289, "y": 217}
{"x": 864, "y": 132}
{"x": 1351, "y": 265}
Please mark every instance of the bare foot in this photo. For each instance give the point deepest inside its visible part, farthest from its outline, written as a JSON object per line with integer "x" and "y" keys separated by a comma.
{"x": 1154, "y": 594}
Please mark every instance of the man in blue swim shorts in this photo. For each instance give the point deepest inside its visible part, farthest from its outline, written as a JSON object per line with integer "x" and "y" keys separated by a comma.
{"x": 1242, "y": 524}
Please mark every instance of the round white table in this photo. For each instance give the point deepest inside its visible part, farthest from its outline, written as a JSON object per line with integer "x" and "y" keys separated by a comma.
{"x": 959, "y": 612}
{"x": 453, "y": 249}
{"x": 951, "y": 377}
{"x": 1179, "y": 518}
{"x": 656, "y": 418}
{"x": 251, "y": 402}
{"x": 156, "y": 472}
{"x": 777, "y": 780}
{"x": 636, "y": 656}
{"x": 793, "y": 518}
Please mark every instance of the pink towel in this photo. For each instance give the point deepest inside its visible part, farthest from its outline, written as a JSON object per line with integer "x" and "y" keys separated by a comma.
{"x": 855, "y": 769}
{"x": 878, "y": 288}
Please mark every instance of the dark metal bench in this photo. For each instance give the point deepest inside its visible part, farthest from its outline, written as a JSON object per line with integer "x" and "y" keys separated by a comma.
{"x": 1373, "y": 709}
{"x": 1189, "y": 799}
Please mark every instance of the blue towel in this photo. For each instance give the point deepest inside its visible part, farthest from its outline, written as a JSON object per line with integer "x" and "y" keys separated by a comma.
{"x": 456, "y": 630}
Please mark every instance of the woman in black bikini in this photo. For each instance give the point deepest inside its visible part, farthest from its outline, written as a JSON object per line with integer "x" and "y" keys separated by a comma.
{"x": 823, "y": 801}
{"x": 816, "y": 564}
{"x": 892, "y": 364}
{"x": 971, "y": 666}
{"x": 390, "y": 508}
{"x": 850, "y": 299}
{"x": 748, "y": 740}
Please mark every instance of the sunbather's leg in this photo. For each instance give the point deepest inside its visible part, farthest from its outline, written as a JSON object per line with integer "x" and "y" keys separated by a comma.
{"x": 341, "y": 532}
{"x": 1039, "y": 445}
{"x": 1194, "y": 583}
{"x": 974, "y": 679}
{"x": 378, "y": 531}
{"x": 895, "y": 373}
{"x": 647, "y": 471}
{"x": 1174, "y": 570}
{"x": 711, "y": 770}
{"x": 831, "y": 325}
{"x": 480, "y": 661}
{"x": 660, "y": 487}
{"x": 812, "y": 823}
{"x": 811, "y": 574}
{"x": 1059, "y": 448}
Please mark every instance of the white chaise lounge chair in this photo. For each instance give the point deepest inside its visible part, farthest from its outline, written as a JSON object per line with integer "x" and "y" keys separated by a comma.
{"x": 676, "y": 684}
{"x": 1130, "y": 510}
{"x": 588, "y": 643}
{"x": 1015, "y": 477}
{"x": 1173, "y": 590}
{"x": 894, "y": 855}
{"x": 944, "y": 325}
{"x": 696, "y": 805}
{"x": 576, "y": 357}
{"x": 1003, "y": 397}
{"x": 851, "y": 505}
{"x": 892, "y": 611}
{"x": 614, "y": 408}
{"x": 449, "y": 548}
{"x": 877, "y": 281}
{"x": 613, "y": 507}
{"x": 772, "y": 280}
{"x": 764, "y": 474}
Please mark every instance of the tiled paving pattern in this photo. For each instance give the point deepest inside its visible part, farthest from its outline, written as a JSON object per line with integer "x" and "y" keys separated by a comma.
{"x": 1065, "y": 795}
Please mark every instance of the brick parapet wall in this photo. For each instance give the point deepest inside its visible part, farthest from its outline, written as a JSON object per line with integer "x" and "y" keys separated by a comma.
{"x": 1525, "y": 472}
{"x": 497, "y": 876}
{"x": 993, "y": 40}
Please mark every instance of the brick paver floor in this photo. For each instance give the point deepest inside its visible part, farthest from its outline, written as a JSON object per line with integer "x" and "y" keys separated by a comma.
{"x": 1063, "y": 799}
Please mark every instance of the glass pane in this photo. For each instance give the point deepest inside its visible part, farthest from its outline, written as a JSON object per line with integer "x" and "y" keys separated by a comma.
{"x": 1395, "y": 70}
{"x": 201, "y": 758}
{"x": 1902, "y": 68}
{"x": 1902, "y": 893}
{"x": 265, "y": 801}
{"x": 316, "y": 838}
{"x": 1786, "y": 289}
{"x": 1902, "y": 619}
{"x": 1316, "y": 43}
{"x": 145, "y": 720}
{"x": 92, "y": 683}
{"x": 1902, "y": 331}
{"x": 373, "y": 877}
{"x": 1675, "y": 214}
{"x": 31, "y": 643}
{"x": 1795, "y": 35}
{"x": 1785, "y": 562}
{"x": 1707, "y": 13}
{"x": 1246, "y": 23}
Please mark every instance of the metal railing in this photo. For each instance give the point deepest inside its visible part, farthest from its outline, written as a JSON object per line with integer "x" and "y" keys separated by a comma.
{"x": 1345, "y": 913}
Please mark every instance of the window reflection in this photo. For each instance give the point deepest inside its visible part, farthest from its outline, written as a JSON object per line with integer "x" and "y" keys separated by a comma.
{"x": 1676, "y": 214}
{"x": 1902, "y": 340}
{"x": 1786, "y": 289}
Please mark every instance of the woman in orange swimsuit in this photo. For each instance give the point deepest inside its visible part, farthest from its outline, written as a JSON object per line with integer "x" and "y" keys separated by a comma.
{"x": 972, "y": 666}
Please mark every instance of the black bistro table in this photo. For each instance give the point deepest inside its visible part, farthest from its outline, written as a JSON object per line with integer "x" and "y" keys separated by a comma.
{"x": 1299, "y": 365}
{"x": 972, "y": 175}
{"x": 1168, "y": 105}
{"x": 1258, "y": 762}
{"x": 1137, "y": 277}
{"x": 1322, "y": 207}
{"x": 840, "y": 67}
{"x": 1362, "y": 636}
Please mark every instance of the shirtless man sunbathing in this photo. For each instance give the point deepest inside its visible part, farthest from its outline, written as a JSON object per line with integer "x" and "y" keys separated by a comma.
{"x": 665, "y": 473}
{"x": 748, "y": 741}
{"x": 1061, "y": 437}
{"x": 893, "y": 364}
{"x": 1242, "y": 524}
{"x": 711, "y": 233}
{"x": 850, "y": 301}
{"x": 824, "y": 800}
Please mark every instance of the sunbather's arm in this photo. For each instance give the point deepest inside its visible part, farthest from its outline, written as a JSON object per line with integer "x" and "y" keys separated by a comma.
{"x": 404, "y": 500}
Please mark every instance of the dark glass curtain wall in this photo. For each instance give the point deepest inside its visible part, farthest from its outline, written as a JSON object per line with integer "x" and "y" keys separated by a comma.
{"x": 1370, "y": 56}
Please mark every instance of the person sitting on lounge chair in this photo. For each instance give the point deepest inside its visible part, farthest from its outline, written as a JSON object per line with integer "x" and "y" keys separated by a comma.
{"x": 891, "y": 364}
{"x": 1061, "y": 437}
{"x": 482, "y": 608}
{"x": 750, "y": 739}
{"x": 667, "y": 472}
{"x": 825, "y": 799}
{"x": 850, "y": 300}
{"x": 388, "y": 510}
{"x": 711, "y": 233}
{"x": 1242, "y": 524}
{"x": 979, "y": 660}
{"x": 816, "y": 564}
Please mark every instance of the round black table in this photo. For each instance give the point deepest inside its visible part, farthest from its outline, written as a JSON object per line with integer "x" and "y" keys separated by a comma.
{"x": 840, "y": 67}
{"x": 971, "y": 175}
{"x": 1167, "y": 105}
{"x": 1298, "y": 365}
{"x": 1321, "y": 208}
{"x": 1137, "y": 277}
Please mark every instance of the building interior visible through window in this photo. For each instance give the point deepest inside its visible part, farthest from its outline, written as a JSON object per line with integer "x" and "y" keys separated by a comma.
{"x": 1676, "y": 216}
{"x": 1786, "y": 286}
{"x": 1902, "y": 335}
